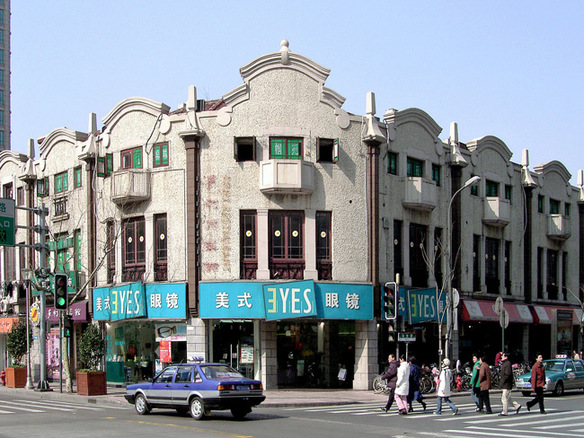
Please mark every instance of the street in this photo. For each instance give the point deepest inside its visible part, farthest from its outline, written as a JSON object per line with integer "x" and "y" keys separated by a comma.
{"x": 25, "y": 416}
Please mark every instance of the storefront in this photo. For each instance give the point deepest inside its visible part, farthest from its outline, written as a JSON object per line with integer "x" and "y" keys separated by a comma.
{"x": 145, "y": 328}
{"x": 6, "y": 324}
{"x": 560, "y": 326}
{"x": 307, "y": 328}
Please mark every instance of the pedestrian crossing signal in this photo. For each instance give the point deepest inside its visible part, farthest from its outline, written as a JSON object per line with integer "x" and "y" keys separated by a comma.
{"x": 389, "y": 300}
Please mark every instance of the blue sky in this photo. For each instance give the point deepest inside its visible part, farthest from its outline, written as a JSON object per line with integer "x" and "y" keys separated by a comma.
{"x": 513, "y": 69}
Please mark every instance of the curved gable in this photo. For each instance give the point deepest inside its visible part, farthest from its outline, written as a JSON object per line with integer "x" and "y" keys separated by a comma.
{"x": 414, "y": 115}
{"x": 490, "y": 142}
{"x": 58, "y": 135}
{"x": 11, "y": 157}
{"x": 131, "y": 104}
{"x": 553, "y": 166}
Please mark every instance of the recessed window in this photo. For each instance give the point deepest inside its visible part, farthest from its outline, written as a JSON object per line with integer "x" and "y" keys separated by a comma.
{"x": 474, "y": 190}
{"x": 507, "y": 192}
{"x": 436, "y": 174}
{"x": 492, "y": 189}
{"x": 415, "y": 167}
{"x": 105, "y": 165}
{"x": 132, "y": 158}
{"x": 244, "y": 148}
{"x": 567, "y": 209}
{"x": 43, "y": 187}
{"x": 7, "y": 191}
{"x": 286, "y": 148}
{"x": 554, "y": 206}
{"x": 78, "y": 172}
{"x": 61, "y": 182}
{"x": 160, "y": 155}
{"x": 327, "y": 150}
{"x": 540, "y": 203}
{"x": 392, "y": 163}
{"x": 20, "y": 196}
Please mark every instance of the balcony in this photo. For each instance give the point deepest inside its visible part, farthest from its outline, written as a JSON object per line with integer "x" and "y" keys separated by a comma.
{"x": 130, "y": 185}
{"x": 558, "y": 227}
{"x": 497, "y": 211}
{"x": 291, "y": 177}
{"x": 420, "y": 194}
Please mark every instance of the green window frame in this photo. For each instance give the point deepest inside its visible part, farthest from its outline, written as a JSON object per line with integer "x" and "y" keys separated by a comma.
{"x": 540, "y": 203}
{"x": 1, "y": 77}
{"x": 43, "y": 187}
{"x": 132, "y": 158}
{"x": 78, "y": 173}
{"x": 160, "y": 155}
{"x": 415, "y": 167}
{"x": 567, "y": 209}
{"x": 392, "y": 163}
{"x": 474, "y": 190}
{"x": 554, "y": 206}
{"x": 492, "y": 189}
{"x": 436, "y": 172}
{"x": 61, "y": 182}
{"x": 286, "y": 147}
{"x": 508, "y": 190}
{"x": 77, "y": 249}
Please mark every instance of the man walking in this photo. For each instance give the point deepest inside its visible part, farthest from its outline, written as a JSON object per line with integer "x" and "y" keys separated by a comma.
{"x": 485, "y": 384}
{"x": 537, "y": 384}
{"x": 507, "y": 385}
{"x": 391, "y": 377}
{"x": 415, "y": 393}
{"x": 475, "y": 386}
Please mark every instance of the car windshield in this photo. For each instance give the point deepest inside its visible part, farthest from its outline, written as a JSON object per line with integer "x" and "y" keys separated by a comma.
{"x": 220, "y": 372}
{"x": 554, "y": 365}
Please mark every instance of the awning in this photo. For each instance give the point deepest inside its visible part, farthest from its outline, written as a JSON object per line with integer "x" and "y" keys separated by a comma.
{"x": 543, "y": 314}
{"x": 483, "y": 310}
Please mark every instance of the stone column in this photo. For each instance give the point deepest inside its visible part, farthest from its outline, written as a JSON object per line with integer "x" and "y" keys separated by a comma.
{"x": 269, "y": 358}
{"x": 196, "y": 339}
{"x": 366, "y": 353}
{"x": 263, "y": 272}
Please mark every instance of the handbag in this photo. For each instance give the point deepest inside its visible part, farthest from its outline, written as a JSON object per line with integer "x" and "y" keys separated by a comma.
{"x": 342, "y": 374}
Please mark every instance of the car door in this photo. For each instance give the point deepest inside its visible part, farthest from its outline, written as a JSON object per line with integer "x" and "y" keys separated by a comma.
{"x": 569, "y": 374}
{"x": 181, "y": 387}
{"x": 160, "y": 392}
{"x": 579, "y": 365}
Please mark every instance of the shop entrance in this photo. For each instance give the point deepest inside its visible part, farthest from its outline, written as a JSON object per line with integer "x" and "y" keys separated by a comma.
{"x": 232, "y": 343}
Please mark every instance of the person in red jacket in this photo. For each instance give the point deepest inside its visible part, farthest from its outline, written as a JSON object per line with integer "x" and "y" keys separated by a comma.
{"x": 537, "y": 384}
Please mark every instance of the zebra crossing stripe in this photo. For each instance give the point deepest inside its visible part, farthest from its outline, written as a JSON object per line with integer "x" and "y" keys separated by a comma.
{"x": 18, "y": 407}
{"x": 62, "y": 405}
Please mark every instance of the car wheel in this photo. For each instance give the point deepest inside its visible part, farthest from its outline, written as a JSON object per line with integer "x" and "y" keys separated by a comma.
{"x": 197, "y": 408}
{"x": 559, "y": 389}
{"x": 141, "y": 405}
{"x": 526, "y": 393}
{"x": 240, "y": 412}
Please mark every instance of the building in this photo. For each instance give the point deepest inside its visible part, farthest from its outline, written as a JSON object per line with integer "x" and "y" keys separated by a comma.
{"x": 4, "y": 75}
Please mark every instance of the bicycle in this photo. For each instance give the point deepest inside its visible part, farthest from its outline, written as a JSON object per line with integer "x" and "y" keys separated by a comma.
{"x": 380, "y": 385}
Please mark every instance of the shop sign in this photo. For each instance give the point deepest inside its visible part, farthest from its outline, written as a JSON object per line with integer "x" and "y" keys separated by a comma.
{"x": 423, "y": 305}
{"x": 77, "y": 310}
{"x": 296, "y": 299}
{"x": 170, "y": 332}
{"x": 165, "y": 351}
{"x": 136, "y": 300}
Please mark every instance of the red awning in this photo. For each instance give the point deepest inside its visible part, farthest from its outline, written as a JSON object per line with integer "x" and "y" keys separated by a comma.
{"x": 483, "y": 310}
{"x": 543, "y": 314}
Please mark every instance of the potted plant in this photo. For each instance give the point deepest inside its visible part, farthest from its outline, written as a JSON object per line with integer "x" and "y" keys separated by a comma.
{"x": 91, "y": 381}
{"x": 17, "y": 348}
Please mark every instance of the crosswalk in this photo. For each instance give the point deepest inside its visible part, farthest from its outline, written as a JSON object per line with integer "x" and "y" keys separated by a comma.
{"x": 468, "y": 423}
{"x": 22, "y": 406}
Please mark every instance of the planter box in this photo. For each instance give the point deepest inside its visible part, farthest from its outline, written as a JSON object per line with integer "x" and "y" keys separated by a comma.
{"x": 16, "y": 377}
{"x": 91, "y": 383}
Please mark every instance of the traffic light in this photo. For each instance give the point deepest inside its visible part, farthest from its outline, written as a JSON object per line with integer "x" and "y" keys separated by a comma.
{"x": 67, "y": 326}
{"x": 61, "y": 293}
{"x": 389, "y": 300}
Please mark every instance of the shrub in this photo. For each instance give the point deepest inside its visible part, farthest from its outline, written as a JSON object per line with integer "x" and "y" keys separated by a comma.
{"x": 91, "y": 347}
{"x": 16, "y": 342}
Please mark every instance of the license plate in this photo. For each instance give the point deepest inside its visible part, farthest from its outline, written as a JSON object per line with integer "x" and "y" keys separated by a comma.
{"x": 527, "y": 385}
{"x": 242, "y": 387}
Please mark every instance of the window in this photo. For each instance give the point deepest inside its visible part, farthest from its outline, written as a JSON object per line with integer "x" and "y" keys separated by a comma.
{"x": 323, "y": 245}
{"x": 492, "y": 188}
{"x": 539, "y": 203}
{"x": 105, "y": 165}
{"x": 160, "y": 152}
{"x": 565, "y": 275}
{"x": 1, "y": 97}
{"x": 554, "y": 206}
{"x": 286, "y": 244}
{"x": 392, "y": 163}
{"x": 476, "y": 262}
{"x": 249, "y": 258}
{"x": 1, "y": 56}
{"x": 61, "y": 183}
{"x": 244, "y": 148}
{"x": 7, "y": 191}
{"x": 184, "y": 374}
{"x": 43, "y": 187}
{"x": 60, "y": 207}
{"x": 1, "y": 138}
{"x": 415, "y": 167}
{"x": 1, "y": 77}
{"x": 508, "y": 192}
{"x": 62, "y": 244}
{"x": 398, "y": 264}
{"x": 77, "y": 250}
{"x": 539, "y": 272}
{"x": 327, "y": 150}
{"x": 436, "y": 174}
{"x": 78, "y": 173}
{"x": 1, "y": 36}
{"x": 438, "y": 275}
{"x": 111, "y": 252}
{"x": 1, "y": 117}
{"x": 418, "y": 267}
{"x": 286, "y": 148}
{"x": 492, "y": 265}
{"x": 20, "y": 196}
{"x": 134, "y": 250}
{"x": 552, "y": 274}
{"x": 160, "y": 250}
{"x": 567, "y": 209}
{"x": 508, "y": 266}
{"x": 132, "y": 158}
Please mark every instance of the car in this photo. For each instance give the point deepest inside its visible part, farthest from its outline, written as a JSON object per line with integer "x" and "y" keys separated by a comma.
{"x": 197, "y": 388}
{"x": 560, "y": 374}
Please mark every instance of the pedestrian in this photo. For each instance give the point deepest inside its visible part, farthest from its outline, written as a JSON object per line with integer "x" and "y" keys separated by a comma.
{"x": 402, "y": 385}
{"x": 485, "y": 385}
{"x": 537, "y": 383}
{"x": 506, "y": 384}
{"x": 475, "y": 385}
{"x": 497, "y": 358}
{"x": 391, "y": 377}
{"x": 443, "y": 389}
{"x": 575, "y": 355}
{"x": 415, "y": 393}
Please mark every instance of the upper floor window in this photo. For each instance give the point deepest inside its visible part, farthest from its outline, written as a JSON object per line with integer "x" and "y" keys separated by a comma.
{"x": 327, "y": 150}
{"x": 132, "y": 158}
{"x": 105, "y": 165}
{"x": 78, "y": 174}
{"x": 1, "y": 138}
{"x": 134, "y": 249}
{"x": 567, "y": 209}
{"x": 415, "y": 167}
{"x": 60, "y": 207}
{"x": 160, "y": 250}
{"x": 554, "y": 206}
{"x": 436, "y": 174}
{"x": 540, "y": 203}
{"x": 244, "y": 148}
{"x": 43, "y": 186}
{"x": 1, "y": 77}
{"x": 160, "y": 155}
{"x": 492, "y": 188}
{"x": 248, "y": 242}
{"x": 508, "y": 192}
{"x": 323, "y": 245}
{"x": 286, "y": 148}
{"x": 61, "y": 182}
{"x": 7, "y": 191}
{"x": 286, "y": 247}
{"x": 474, "y": 190}
{"x": 392, "y": 163}
{"x": 20, "y": 196}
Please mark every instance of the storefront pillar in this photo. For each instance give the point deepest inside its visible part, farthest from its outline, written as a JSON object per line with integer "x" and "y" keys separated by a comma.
{"x": 366, "y": 347}
{"x": 196, "y": 339}
{"x": 263, "y": 272}
{"x": 269, "y": 356}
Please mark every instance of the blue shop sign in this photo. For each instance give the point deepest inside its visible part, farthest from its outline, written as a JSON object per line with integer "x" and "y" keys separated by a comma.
{"x": 136, "y": 300}
{"x": 295, "y": 299}
{"x": 423, "y": 305}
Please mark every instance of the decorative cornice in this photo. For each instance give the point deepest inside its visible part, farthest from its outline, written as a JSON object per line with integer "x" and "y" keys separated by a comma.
{"x": 413, "y": 115}
{"x": 131, "y": 104}
{"x": 490, "y": 142}
{"x": 553, "y": 166}
{"x": 57, "y": 135}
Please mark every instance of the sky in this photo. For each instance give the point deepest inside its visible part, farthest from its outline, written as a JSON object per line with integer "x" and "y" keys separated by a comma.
{"x": 512, "y": 69}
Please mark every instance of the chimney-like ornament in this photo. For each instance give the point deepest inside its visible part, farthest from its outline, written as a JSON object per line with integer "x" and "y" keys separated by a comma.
{"x": 285, "y": 52}
{"x": 581, "y": 185}
{"x": 526, "y": 178}
{"x": 373, "y": 131}
{"x": 28, "y": 173}
{"x": 456, "y": 157}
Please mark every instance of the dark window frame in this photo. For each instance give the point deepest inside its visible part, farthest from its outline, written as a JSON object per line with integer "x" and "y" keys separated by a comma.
{"x": 134, "y": 249}
{"x": 392, "y": 163}
{"x": 324, "y": 245}
{"x": 244, "y": 149}
{"x": 160, "y": 247}
{"x": 286, "y": 249}
{"x": 132, "y": 158}
{"x": 160, "y": 156}
{"x": 327, "y": 150}
{"x": 415, "y": 168}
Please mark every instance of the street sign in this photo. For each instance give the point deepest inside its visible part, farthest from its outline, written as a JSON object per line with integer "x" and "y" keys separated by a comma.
{"x": 498, "y": 306}
{"x": 406, "y": 337}
{"x": 504, "y": 319}
{"x": 6, "y": 222}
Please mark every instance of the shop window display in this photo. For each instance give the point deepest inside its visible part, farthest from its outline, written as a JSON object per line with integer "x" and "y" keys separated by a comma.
{"x": 233, "y": 344}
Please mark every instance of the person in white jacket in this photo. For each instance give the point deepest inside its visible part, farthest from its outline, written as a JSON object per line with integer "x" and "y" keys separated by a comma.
{"x": 443, "y": 389}
{"x": 402, "y": 386}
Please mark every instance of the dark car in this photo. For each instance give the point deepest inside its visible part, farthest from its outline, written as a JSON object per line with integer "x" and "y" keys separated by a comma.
{"x": 560, "y": 374}
{"x": 197, "y": 388}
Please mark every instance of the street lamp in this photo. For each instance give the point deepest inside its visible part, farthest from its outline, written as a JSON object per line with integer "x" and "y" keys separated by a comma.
{"x": 449, "y": 296}
{"x": 27, "y": 276}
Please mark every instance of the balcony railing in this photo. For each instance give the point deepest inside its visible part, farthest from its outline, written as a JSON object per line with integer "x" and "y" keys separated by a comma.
{"x": 558, "y": 227}
{"x": 496, "y": 212}
{"x": 420, "y": 194}
{"x": 282, "y": 176}
{"x": 130, "y": 185}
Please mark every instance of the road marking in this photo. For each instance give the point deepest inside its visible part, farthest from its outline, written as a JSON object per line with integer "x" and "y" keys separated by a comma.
{"x": 64, "y": 405}
{"x": 18, "y": 407}
{"x": 515, "y": 432}
{"x": 178, "y": 426}
{"x": 568, "y": 424}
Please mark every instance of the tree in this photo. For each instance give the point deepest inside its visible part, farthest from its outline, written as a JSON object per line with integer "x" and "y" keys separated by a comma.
{"x": 16, "y": 342}
{"x": 91, "y": 347}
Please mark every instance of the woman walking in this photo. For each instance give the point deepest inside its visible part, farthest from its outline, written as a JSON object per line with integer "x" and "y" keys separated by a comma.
{"x": 475, "y": 386}
{"x": 402, "y": 385}
{"x": 444, "y": 382}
